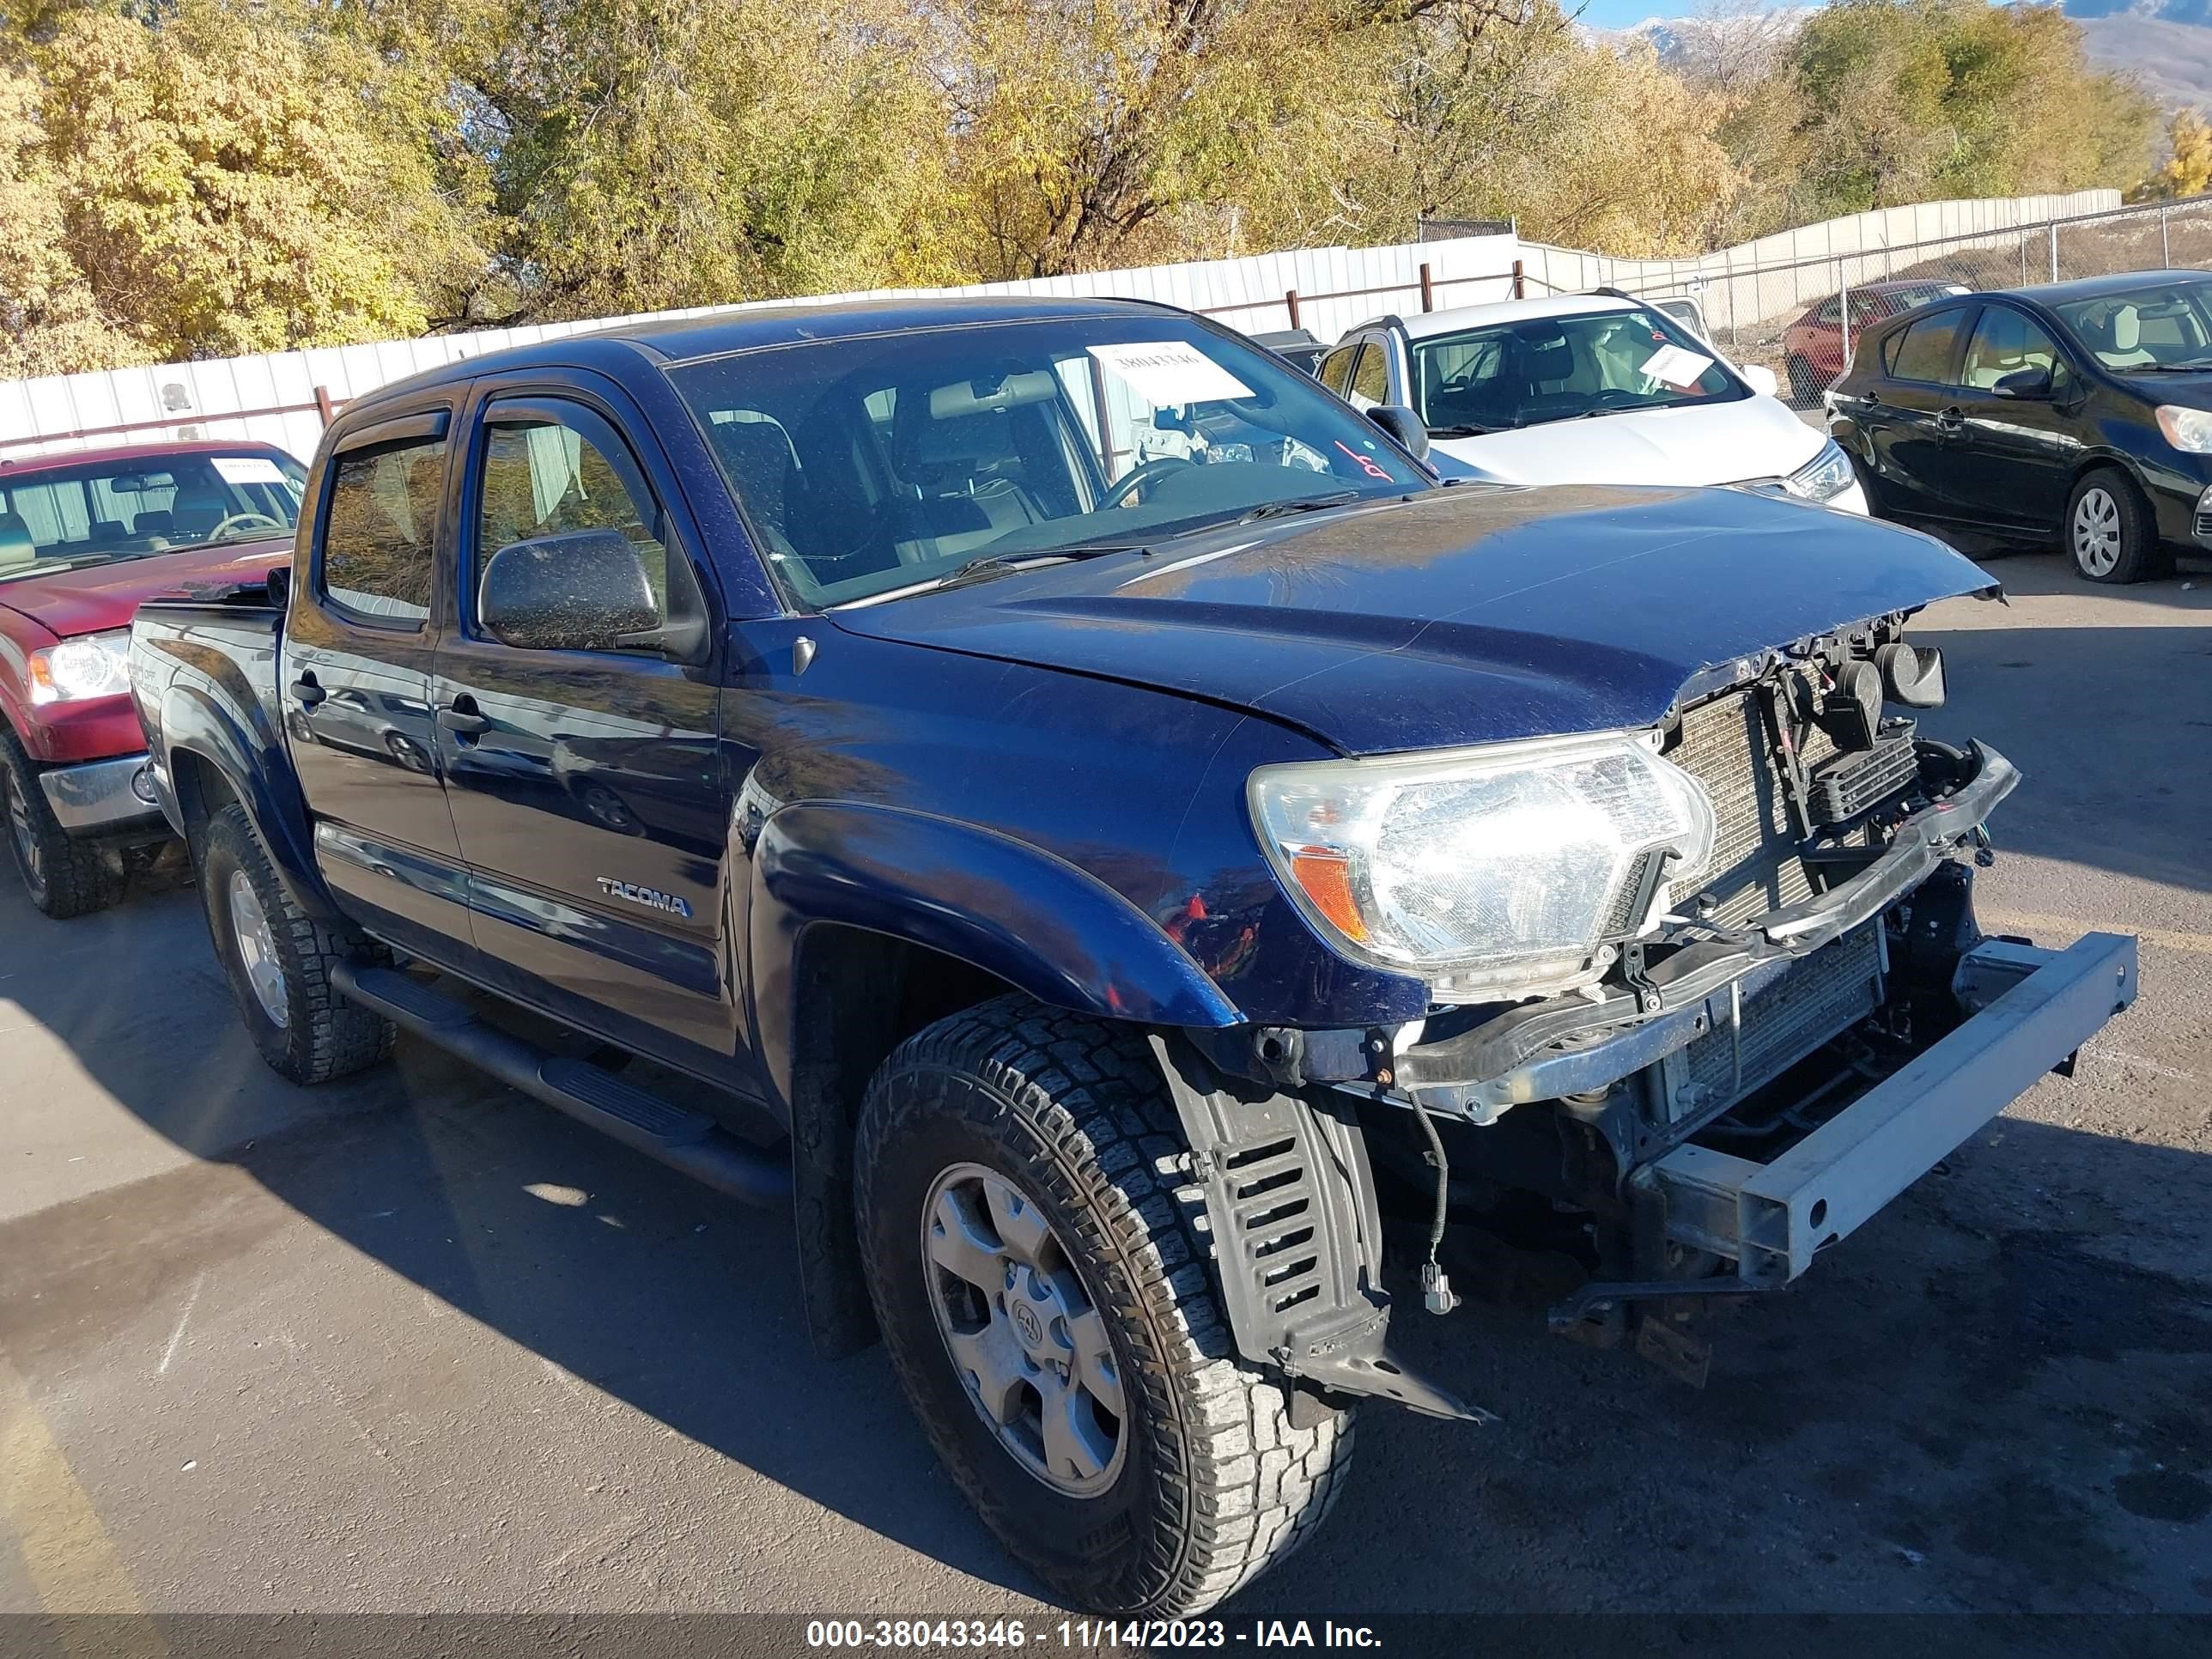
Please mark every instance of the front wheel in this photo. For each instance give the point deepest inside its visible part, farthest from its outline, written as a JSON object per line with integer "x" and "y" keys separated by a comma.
{"x": 278, "y": 959}
{"x": 64, "y": 877}
{"x": 2110, "y": 533}
{"x": 1027, "y": 1219}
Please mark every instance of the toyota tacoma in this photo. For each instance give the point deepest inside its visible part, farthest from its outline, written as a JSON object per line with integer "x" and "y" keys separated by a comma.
{"x": 1141, "y": 867}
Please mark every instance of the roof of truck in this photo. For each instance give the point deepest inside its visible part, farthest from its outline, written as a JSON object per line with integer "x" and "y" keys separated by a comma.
{"x": 679, "y": 339}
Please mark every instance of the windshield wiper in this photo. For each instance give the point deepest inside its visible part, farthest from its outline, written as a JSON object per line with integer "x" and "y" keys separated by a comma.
{"x": 1466, "y": 430}
{"x": 983, "y": 568}
{"x": 1303, "y": 504}
{"x": 2197, "y": 367}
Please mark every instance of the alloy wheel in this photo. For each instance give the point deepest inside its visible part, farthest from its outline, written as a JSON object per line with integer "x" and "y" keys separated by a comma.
{"x": 257, "y": 951}
{"x": 1022, "y": 1332}
{"x": 2096, "y": 532}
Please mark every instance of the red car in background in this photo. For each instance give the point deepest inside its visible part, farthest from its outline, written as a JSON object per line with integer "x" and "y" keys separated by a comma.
{"x": 84, "y": 539}
{"x": 1813, "y": 346}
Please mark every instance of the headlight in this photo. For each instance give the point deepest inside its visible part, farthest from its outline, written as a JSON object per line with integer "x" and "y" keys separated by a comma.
{"x": 1824, "y": 478}
{"x": 1481, "y": 869}
{"x": 2189, "y": 431}
{"x": 90, "y": 665}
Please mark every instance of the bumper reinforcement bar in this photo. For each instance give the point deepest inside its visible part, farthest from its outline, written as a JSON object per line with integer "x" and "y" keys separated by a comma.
{"x": 1772, "y": 1219}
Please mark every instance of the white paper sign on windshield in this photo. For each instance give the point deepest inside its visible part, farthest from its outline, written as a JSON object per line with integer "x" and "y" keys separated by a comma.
{"x": 1166, "y": 373}
{"x": 248, "y": 469}
{"x": 1673, "y": 365}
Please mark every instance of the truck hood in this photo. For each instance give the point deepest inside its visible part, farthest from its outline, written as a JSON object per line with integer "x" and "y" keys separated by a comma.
{"x": 1693, "y": 444}
{"x": 1470, "y": 614}
{"x": 105, "y": 596}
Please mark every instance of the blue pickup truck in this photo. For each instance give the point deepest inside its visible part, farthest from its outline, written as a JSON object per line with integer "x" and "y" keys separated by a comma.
{"x": 1139, "y": 865}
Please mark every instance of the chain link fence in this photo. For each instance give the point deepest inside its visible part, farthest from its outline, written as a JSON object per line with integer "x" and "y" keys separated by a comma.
{"x": 1801, "y": 319}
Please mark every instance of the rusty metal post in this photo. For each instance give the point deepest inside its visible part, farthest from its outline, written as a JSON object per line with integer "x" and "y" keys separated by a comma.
{"x": 1428, "y": 288}
{"x": 323, "y": 407}
{"x": 1520, "y": 281}
{"x": 1291, "y": 303}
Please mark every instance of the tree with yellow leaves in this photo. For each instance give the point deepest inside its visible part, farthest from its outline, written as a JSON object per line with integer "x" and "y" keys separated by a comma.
{"x": 2188, "y": 169}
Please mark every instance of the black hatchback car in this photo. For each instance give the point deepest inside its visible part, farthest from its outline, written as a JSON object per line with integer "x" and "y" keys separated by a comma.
{"x": 2078, "y": 410}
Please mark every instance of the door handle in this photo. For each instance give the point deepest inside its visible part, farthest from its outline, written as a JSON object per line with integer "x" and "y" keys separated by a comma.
{"x": 305, "y": 692}
{"x": 462, "y": 718}
{"x": 1951, "y": 422}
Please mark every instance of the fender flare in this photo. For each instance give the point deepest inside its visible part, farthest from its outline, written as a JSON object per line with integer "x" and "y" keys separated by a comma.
{"x": 254, "y": 765}
{"x": 1031, "y": 918}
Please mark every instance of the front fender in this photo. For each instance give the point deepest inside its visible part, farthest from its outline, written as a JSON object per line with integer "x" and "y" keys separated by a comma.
{"x": 1033, "y": 920}
{"x": 254, "y": 765}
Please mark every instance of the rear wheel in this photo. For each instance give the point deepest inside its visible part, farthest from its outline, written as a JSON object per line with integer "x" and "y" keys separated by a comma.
{"x": 278, "y": 959}
{"x": 64, "y": 877}
{"x": 1022, "y": 1193}
{"x": 2110, "y": 533}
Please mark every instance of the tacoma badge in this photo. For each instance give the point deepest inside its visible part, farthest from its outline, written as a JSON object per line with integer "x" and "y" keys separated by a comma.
{"x": 648, "y": 897}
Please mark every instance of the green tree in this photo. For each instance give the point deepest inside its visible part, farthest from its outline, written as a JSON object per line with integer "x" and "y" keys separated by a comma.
{"x": 1890, "y": 102}
{"x": 219, "y": 180}
{"x": 1581, "y": 143}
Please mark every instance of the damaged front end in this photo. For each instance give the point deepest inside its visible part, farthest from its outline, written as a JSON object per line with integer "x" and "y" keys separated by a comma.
{"x": 1789, "y": 1017}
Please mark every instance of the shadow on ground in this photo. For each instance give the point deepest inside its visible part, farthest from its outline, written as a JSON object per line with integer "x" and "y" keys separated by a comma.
{"x": 1967, "y": 1408}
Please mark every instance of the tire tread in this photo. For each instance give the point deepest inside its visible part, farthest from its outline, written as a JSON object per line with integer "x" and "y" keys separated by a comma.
{"x": 1242, "y": 1486}
{"x": 329, "y": 1038}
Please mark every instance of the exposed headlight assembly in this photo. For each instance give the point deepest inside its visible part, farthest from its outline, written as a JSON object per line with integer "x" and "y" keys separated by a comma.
{"x": 1824, "y": 478}
{"x": 2189, "y": 431}
{"x": 75, "y": 671}
{"x": 1481, "y": 870}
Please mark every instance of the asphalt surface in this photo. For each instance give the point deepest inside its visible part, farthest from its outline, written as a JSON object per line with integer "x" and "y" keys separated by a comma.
{"x": 415, "y": 1344}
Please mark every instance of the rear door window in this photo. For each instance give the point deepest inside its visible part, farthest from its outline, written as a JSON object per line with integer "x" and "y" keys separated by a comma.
{"x": 1926, "y": 350}
{"x": 379, "y": 533}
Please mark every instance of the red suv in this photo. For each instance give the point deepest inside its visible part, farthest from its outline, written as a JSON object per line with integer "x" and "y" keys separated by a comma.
{"x": 1813, "y": 346}
{"x": 84, "y": 538}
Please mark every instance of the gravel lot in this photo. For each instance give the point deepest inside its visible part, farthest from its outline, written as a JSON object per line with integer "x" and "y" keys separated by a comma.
{"x": 415, "y": 1344}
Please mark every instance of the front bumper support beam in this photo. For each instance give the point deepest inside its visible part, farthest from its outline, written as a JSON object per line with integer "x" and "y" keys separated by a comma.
{"x": 1772, "y": 1219}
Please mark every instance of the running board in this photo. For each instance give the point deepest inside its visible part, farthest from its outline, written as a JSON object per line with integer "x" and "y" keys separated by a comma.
{"x": 689, "y": 1141}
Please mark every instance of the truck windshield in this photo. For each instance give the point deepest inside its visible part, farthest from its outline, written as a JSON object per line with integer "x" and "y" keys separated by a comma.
{"x": 1533, "y": 370}
{"x": 56, "y": 517}
{"x": 870, "y": 466}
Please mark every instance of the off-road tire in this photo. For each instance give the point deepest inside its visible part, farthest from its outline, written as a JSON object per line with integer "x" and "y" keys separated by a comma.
{"x": 2140, "y": 556}
{"x": 1216, "y": 1483}
{"x": 68, "y": 878}
{"x": 324, "y": 1036}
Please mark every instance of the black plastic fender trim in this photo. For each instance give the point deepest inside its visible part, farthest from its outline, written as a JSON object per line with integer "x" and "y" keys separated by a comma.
{"x": 1297, "y": 1235}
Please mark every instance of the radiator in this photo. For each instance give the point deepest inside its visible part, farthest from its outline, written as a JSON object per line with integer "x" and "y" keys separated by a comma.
{"x": 1819, "y": 997}
{"x": 1756, "y": 867}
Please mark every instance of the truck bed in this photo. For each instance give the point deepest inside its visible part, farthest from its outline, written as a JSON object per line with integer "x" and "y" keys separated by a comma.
{"x": 222, "y": 650}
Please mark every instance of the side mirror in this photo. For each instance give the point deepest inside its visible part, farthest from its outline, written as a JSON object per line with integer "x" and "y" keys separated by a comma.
{"x": 1761, "y": 379}
{"x": 1411, "y": 432}
{"x": 2024, "y": 383}
{"x": 585, "y": 590}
